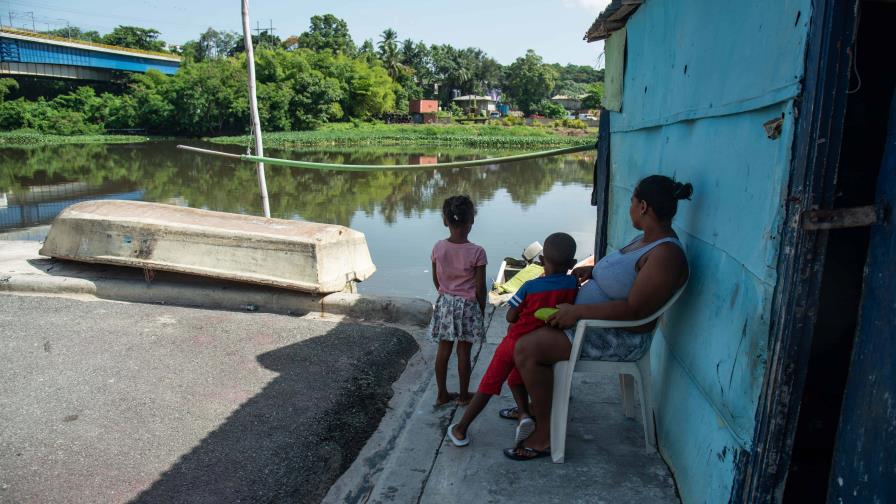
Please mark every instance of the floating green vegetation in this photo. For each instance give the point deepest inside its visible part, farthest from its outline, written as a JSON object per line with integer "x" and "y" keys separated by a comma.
{"x": 410, "y": 134}
{"x": 9, "y": 138}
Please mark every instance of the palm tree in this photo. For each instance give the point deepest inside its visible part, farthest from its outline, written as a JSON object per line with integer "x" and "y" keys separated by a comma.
{"x": 388, "y": 51}
{"x": 388, "y": 41}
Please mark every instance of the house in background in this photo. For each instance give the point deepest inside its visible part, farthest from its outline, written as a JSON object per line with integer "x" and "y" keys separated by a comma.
{"x": 773, "y": 375}
{"x": 572, "y": 104}
{"x": 479, "y": 105}
{"x": 423, "y": 111}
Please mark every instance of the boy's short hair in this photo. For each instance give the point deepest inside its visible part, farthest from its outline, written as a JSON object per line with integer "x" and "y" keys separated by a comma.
{"x": 559, "y": 250}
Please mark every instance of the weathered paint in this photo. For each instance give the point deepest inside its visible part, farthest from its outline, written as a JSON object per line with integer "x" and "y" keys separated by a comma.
{"x": 701, "y": 79}
{"x": 304, "y": 256}
{"x": 865, "y": 460}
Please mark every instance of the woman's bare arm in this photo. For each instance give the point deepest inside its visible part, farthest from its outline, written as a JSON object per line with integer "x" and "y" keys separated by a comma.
{"x": 661, "y": 275}
{"x": 435, "y": 277}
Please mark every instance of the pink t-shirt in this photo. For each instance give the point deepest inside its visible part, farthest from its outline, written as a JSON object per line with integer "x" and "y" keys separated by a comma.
{"x": 456, "y": 267}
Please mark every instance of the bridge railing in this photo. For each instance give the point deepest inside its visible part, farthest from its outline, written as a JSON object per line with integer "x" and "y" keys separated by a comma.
{"x": 28, "y": 33}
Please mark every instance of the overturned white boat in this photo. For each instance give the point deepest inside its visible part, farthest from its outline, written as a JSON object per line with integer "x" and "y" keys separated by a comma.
{"x": 304, "y": 256}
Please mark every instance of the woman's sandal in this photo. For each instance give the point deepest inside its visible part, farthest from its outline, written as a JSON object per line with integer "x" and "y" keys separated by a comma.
{"x": 525, "y": 453}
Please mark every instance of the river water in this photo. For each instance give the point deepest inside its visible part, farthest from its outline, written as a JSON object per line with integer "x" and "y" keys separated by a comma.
{"x": 398, "y": 210}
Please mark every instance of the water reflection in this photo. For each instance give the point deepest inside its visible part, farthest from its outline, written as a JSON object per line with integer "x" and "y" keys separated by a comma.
{"x": 398, "y": 209}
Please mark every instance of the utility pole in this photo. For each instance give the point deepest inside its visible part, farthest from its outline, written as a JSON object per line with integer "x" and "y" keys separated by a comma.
{"x": 253, "y": 109}
{"x": 258, "y": 31}
{"x": 32, "y": 21}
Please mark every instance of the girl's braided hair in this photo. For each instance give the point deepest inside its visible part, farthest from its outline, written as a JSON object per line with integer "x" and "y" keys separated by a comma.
{"x": 458, "y": 210}
{"x": 662, "y": 194}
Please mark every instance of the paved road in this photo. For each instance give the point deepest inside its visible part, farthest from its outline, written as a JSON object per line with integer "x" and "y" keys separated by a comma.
{"x": 111, "y": 402}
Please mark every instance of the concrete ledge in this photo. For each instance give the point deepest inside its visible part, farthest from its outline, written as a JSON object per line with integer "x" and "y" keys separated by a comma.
{"x": 23, "y": 270}
{"x": 399, "y": 310}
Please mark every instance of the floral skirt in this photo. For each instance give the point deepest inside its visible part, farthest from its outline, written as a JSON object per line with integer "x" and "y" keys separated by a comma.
{"x": 456, "y": 319}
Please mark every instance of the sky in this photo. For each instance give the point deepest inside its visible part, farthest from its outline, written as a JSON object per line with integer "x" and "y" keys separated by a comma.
{"x": 504, "y": 29}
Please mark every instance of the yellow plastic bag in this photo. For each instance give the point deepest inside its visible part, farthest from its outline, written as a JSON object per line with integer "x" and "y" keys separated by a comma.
{"x": 528, "y": 273}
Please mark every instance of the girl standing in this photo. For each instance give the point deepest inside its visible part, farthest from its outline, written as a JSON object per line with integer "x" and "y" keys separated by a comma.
{"x": 458, "y": 272}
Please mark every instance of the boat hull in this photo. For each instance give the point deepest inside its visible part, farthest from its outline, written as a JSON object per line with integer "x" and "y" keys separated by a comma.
{"x": 303, "y": 256}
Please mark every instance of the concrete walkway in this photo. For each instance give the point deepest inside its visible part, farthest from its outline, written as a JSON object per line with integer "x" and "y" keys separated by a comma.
{"x": 409, "y": 460}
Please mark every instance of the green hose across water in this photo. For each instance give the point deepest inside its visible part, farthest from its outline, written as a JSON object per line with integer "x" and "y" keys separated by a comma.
{"x": 345, "y": 167}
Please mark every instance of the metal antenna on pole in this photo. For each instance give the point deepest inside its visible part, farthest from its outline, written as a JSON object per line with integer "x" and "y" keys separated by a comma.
{"x": 253, "y": 108}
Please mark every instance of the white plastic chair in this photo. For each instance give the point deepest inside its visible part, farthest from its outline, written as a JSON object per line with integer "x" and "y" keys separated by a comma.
{"x": 639, "y": 371}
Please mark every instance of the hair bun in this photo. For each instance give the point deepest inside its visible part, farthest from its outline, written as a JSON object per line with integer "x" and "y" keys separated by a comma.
{"x": 683, "y": 191}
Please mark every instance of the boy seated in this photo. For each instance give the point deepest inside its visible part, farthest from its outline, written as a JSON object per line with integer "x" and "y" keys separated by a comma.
{"x": 554, "y": 288}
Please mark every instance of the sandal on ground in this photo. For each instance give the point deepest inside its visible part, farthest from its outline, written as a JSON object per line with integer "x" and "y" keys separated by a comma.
{"x": 509, "y": 413}
{"x": 525, "y": 453}
{"x": 452, "y": 399}
{"x": 524, "y": 429}
{"x": 460, "y": 443}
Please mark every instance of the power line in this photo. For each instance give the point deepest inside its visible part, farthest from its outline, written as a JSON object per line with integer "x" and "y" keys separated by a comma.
{"x": 103, "y": 15}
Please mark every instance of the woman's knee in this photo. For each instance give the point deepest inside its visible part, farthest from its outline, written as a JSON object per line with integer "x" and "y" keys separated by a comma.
{"x": 523, "y": 351}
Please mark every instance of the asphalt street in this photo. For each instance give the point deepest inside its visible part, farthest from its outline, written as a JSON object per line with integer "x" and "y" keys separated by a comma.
{"x": 113, "y": 402}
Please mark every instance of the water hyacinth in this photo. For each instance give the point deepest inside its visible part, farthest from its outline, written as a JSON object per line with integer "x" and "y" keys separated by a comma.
{"x": 400, "y": 134}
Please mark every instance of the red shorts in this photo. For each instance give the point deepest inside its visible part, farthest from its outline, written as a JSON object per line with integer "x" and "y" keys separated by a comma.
{"x": 501, "y": 368}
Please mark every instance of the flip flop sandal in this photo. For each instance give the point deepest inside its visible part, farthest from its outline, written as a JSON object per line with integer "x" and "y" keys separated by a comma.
{"x": 452, "y": 399}
{"x": 528, "y": 453}
{"x": 509, "y": 413}
{"x": 524, "y": 429}
{"x": 460, "y": 443}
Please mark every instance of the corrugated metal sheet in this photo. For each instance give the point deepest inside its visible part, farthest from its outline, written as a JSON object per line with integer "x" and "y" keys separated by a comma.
{"x": 612, "y": 18}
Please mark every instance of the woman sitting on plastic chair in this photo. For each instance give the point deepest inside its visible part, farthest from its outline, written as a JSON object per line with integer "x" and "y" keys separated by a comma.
{"x": 629, "y": 284}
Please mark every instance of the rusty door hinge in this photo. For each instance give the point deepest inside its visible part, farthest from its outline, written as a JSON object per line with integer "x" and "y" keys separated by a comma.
{"x": 838, "y": 218}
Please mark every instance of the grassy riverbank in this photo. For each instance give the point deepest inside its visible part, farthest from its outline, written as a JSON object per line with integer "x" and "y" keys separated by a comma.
{"x": 8, "y": 138}
{"x": 414, "y": 134}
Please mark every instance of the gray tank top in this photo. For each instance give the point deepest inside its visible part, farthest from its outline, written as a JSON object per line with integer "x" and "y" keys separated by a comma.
{"x": 614, "y": 275}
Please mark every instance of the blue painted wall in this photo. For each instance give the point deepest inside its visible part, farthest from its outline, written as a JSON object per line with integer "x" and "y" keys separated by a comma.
{"x": 26, "y": 51}
{"x": 701, "y": 78}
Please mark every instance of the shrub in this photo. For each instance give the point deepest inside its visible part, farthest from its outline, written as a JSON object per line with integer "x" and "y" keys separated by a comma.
{"x": 512, "y": 121}
{"x": 570, "y": 123}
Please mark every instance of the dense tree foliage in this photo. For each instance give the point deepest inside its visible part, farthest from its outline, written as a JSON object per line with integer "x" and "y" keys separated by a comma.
{"x": 327, "y": 33}
{"x": 73, "y": 32}
{"x": 529, "y": 81}
{"x": 212, "y": 44}
{"x": 316, "y": 77}
{"x": 135, "y": 37}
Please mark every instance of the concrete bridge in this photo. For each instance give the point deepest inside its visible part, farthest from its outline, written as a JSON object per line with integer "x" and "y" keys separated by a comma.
{"x": 25, "y": 53}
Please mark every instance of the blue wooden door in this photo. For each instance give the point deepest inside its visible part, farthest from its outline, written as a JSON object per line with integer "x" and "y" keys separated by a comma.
{"x": 864, "y": 467}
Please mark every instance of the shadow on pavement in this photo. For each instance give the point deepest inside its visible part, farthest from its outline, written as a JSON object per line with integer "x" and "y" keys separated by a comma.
{"x": 293, "y": 439}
